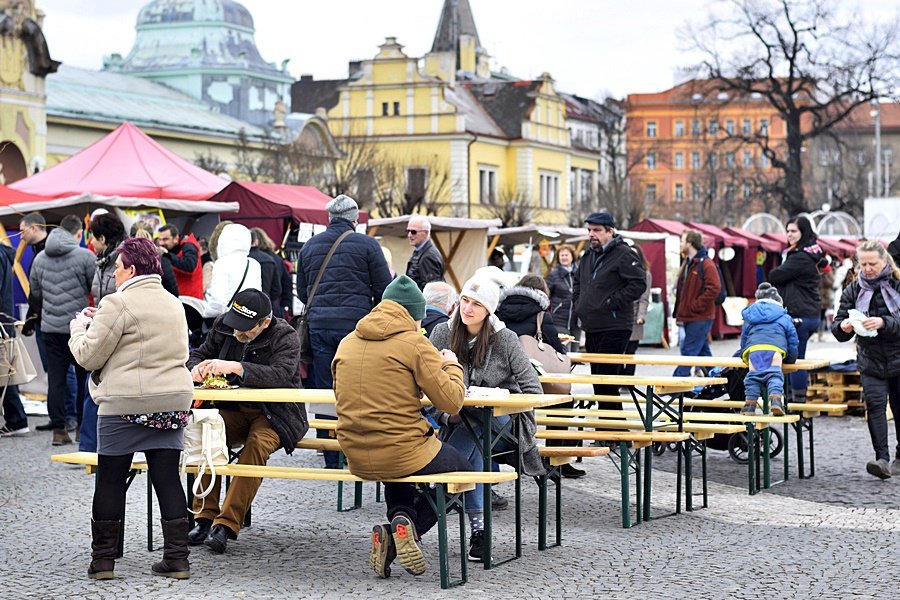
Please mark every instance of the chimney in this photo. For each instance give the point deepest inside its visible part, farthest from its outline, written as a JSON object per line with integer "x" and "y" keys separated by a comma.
{"x": 354, "y": 68}
{"x": 306, "y": 78}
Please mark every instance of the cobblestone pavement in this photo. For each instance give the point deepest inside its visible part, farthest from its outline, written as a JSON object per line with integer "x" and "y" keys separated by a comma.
{"x": 833, "y": 536}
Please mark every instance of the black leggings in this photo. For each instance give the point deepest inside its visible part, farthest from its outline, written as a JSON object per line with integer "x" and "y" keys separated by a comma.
{"x": 109, "y": 489}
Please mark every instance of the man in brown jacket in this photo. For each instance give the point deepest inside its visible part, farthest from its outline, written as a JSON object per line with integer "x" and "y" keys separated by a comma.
{"x": 380, "y": 372}
{"x": 695, "y": 298}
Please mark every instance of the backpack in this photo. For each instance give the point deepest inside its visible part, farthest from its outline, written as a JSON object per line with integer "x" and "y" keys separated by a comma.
{"x": 723, "y": 292}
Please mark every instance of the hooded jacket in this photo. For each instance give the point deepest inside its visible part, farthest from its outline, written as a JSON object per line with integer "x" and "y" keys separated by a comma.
{"x": 271, "y": 360}
{"x": 60, "y": 280}
{"x": 353, "y": 282}
{"x": 233, "y": 249}
{"x": 767, "y": 326}
{"x": 608, "y": 282}
{"x": 380, "y": 371}
{"x": 695, "y": 295}
{"x": 519, "y": 308}
{"x": 877, "y": 356}
{"x": 797, "y": 280}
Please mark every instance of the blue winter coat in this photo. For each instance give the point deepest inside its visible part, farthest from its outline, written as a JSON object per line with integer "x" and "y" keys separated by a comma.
{"x": 353, "y": 282}
{"x": 768, "y": 324}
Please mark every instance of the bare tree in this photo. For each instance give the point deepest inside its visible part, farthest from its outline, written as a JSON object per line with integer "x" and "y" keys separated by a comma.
{"x": 514, "y": 208}
{"x": 210, "y": 162}
{"x": 812, "y": 65}
{"x": 254, "y": 160}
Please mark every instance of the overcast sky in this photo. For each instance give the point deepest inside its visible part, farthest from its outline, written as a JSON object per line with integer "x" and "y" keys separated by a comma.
{"x": 591, "y": 47}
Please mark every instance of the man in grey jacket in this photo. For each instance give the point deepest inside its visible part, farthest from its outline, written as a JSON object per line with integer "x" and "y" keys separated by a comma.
{"x": 60, "y": 280}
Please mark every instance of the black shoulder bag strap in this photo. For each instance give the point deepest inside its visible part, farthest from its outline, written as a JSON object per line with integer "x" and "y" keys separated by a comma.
{"x": 243, "y": 278}
{"x": 315, "y": 285}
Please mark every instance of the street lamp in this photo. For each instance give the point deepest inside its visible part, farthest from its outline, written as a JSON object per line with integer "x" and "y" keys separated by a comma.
{"x": 876, "y": 113}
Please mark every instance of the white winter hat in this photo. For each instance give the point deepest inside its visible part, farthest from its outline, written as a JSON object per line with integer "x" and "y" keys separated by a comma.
{"x": 483, "y": 290}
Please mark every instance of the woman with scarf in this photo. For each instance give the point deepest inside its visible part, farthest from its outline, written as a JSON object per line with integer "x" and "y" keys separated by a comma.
{"x": 876, "y": 295}
{"x": 797, "y": 280}
{"x": 560, "y": 282}
{"x": 491, "y": 357}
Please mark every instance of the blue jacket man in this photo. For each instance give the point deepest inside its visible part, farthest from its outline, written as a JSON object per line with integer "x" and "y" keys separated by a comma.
{"x": 351, "y": 285}
{"x": 768, "y": 339}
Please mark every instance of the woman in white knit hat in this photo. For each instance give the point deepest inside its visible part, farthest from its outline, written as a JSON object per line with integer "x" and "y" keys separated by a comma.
{"x": 491, "y": 356}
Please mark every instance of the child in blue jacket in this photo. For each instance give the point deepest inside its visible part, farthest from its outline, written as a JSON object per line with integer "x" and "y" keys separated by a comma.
{"x": 768, "y": 339}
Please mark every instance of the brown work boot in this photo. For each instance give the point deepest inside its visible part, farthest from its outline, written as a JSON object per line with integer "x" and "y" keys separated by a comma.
{"x": 61, "y": 437}
{"x": 104, "y": 539}
{"x": 175, "y": 550}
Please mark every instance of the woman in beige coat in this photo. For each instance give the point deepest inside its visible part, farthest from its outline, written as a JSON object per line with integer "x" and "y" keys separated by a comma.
{"x": 136, "y": 344}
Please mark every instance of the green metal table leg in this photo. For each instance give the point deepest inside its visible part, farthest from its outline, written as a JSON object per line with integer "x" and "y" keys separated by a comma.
{"x": 443, "y": 549}
{"x": 798, "y": 427}
{"x": 688, "y": 477}
{"x": 767, "y": 444}
{"x": 678, "y": 460}
{"x": 751, "y": 459}
{"x": 542, "y": 509}
{"x": 624, "y": 468}
{"x": 486, "y": 434}
{"x": 559, "y": 517}
{"x": 638, "y": 473}
{"x": 812, "y": 451}
{"x": 648, "y": 456}
{"x": 703, "y": 449}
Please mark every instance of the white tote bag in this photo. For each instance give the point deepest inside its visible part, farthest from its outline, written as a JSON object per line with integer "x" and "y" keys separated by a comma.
{"x": 16, "y": 367}
{"x": 204, "y": 447}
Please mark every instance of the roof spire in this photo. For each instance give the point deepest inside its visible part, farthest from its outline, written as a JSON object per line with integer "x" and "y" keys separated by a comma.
{"x": 456, "y": 20}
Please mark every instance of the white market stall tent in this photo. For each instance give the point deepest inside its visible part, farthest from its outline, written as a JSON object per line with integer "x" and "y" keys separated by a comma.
{"x": 462, "y": 243}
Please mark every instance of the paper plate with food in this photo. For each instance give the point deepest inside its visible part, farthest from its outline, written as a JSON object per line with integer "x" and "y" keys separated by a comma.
{"x": 216, "y": 382}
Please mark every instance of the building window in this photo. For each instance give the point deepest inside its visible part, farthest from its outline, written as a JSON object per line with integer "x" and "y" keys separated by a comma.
{"x": 729, "y": 160}
{"x": 713, "y": 127}
{"x": 695, "y": 160}
{"x": 651, "y": 160}
{"x": 747, "y": 127}
{"x": 729, "y": 126}
{"x": 748, "y": 159}
{"x": 415, "y": 183}
{"x": 695, "y": 128}
{"x": 696, "y": 191}
{"x": 861, "y": 157}
{"x": 549, "y": 186}
{"x": 679, "y": 192}
{"x": 587, "y": 186}
{"x": 396, "y": 108}
{"x": 764, "y": 160}
{"x": 487, "y": 184}
{"x": 748, "y": 189}
{"x": 650, "y": 192}
{"x": 651, "y": 129}
{"x": 679, "y": 160}
{"x": 679, "y": 128}
{"x": 385, "y": 109}
{"x": 764, "y": 127}
{"x": 729, "y": 192}
{"x": 713, "y": 160}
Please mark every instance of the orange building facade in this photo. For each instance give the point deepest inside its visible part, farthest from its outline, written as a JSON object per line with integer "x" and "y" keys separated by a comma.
{"x": 693, "y": 153}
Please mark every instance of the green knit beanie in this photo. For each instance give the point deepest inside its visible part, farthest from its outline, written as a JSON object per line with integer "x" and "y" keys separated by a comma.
{"x": 405, "y": 292}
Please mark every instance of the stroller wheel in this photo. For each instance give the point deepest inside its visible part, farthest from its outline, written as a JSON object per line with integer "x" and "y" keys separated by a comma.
{"x": 737, "y": 446}
{"x": 659, "y": 448}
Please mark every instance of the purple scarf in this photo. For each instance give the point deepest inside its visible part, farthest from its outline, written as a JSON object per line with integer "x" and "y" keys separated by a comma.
{"x": 867, "y": 290}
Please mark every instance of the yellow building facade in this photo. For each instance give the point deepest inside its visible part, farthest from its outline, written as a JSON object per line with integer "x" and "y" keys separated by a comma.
{"x": 496, "y": 140}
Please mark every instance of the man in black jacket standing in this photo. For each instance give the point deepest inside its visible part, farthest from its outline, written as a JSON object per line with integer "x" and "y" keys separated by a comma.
{"x": 426, "y": 264}
{"x": 610, "y": 278}
{"x": 249, "y": 347}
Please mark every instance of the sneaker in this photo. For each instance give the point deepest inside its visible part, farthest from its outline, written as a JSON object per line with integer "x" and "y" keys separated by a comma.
{"x": 383, "y": 550}
{"x": 7, "y": 432}
{"x": 498, "y": 502}
{"x": 409, "y": 555}
{"x": 476, "y": 546}
{"x": 749, "y": 408}
{"x": 776, "y": 405}
{"x": 570, "y": 472}
{"x": 879, "y": 468}
{"x": 71, "y": 424}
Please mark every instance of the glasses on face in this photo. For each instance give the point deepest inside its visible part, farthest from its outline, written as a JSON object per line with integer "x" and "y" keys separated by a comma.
{"x": 413, "y": 231}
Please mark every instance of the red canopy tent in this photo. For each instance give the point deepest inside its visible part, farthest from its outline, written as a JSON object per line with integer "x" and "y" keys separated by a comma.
{"x": 9, "y": 196}
{"x": 839, "y": 248}
{"x": 125, "y": 168}
{"x": 273, "y": 206}
{"x": 766, "y": 250}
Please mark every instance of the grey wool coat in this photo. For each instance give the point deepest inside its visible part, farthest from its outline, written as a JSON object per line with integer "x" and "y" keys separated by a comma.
{"x": 507, "y": 367}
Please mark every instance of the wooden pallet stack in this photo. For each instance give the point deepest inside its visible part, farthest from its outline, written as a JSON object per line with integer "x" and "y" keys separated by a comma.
{"x": 837, "y": 387}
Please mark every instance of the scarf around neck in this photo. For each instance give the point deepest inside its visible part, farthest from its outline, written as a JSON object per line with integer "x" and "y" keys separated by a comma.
{"x": 883, "y": 282}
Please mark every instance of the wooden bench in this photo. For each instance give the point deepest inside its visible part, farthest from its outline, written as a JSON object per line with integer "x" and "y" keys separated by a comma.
{"x": 446, "y": 493}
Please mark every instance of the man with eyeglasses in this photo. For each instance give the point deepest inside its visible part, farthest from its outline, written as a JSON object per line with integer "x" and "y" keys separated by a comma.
{"x": 426, "y": 264}
{"x": 249, "y": 347}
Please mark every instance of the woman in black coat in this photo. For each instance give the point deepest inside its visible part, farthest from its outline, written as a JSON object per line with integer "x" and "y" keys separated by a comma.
{"x": 798, "y": 280}
{"x": 519, "y": 307}
{"x": 875, "y": 294}
{"x": 559, "y": 283}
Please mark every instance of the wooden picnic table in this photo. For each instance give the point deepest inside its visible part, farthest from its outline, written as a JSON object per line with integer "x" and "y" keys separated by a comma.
{"x": 802, "y": 364}
{"x": 512, "y": 405}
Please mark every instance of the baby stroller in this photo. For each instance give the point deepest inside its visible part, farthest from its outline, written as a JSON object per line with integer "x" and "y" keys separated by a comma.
{"x": 735, "y": 443}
